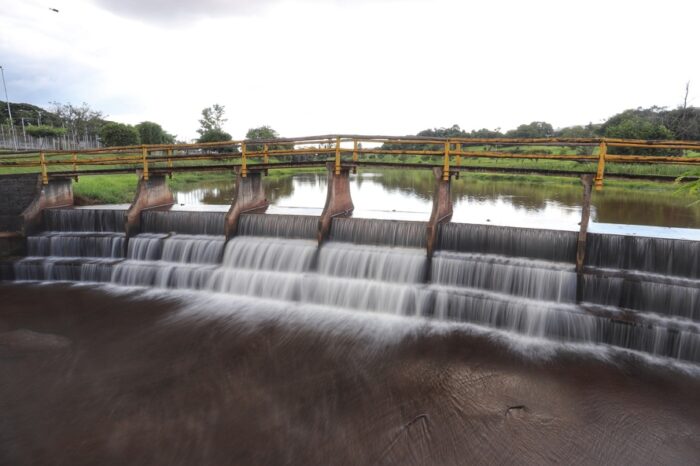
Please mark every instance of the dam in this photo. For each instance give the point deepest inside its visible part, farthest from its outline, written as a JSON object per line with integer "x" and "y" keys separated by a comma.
{"x": 632, "y": 292}
{"x": 265, "y": 332}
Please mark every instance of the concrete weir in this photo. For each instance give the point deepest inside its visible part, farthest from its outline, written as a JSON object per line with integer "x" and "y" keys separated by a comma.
{"x": 150, "y": 194}
{"x": 249, "y": 197}
{"x": 338, "y": 200}
{"x": 442, "y": 209}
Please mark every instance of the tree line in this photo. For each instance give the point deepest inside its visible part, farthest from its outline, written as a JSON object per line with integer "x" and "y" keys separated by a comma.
{"x": 641, "y": 123}
{"x": 77, "y": 121}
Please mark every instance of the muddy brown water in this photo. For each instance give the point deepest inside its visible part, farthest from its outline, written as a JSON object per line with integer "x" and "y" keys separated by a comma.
{"x": 93, "y": 376}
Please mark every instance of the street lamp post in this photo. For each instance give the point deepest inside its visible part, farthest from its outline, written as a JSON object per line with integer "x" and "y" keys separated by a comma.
{"x": 9, "y": 111}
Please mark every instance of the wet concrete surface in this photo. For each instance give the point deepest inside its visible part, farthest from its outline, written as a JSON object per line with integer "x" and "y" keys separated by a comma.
{"x": 89, "y": 376}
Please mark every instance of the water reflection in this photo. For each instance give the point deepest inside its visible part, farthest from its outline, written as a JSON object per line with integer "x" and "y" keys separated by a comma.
{"x": 407, "y": 195}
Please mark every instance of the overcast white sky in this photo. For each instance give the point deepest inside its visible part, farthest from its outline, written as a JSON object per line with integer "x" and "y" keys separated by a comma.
{"x": 352, "y": 66}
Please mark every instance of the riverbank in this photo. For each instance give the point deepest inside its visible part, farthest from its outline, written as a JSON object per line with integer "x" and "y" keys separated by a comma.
{"x": 133, "y": 377}
{"x": 119, "y": 189}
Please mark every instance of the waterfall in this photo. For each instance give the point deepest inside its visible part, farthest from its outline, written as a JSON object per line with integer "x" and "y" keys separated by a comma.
{"x": 256, "y": 253}
{"x": 551, "y": 245}
{"x": 76, "y": 244}
{"x": 658, "y": 255}
{"x": 64, "y": 269}
{"x": 169, "y": 261}
{"x": 518, "y": 280}
{"x": 192, "y": 223}
{"x": 403, "y": 265}
{"x": 283, "y": 226}
{"x": 645, "y": 292}
{"x": 97, "y": 220}
{"x": 379, "y": 232}
{"x": 547, "y": 281}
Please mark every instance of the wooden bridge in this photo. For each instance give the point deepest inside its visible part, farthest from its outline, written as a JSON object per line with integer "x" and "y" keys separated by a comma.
{"x": 49, "y": 174}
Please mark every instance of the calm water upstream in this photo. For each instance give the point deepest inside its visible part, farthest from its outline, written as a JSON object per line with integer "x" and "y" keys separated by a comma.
{"x": 407, "y": 195}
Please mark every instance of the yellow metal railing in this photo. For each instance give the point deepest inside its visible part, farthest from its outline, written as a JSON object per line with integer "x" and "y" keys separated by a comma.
{"x": 452, "y": 151}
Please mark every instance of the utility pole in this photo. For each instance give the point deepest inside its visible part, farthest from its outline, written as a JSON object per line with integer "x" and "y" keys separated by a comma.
{"x": 9, "y": 111}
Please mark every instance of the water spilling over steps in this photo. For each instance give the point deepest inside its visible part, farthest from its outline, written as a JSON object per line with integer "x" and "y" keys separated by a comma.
{"x": 519, "y": 280}
{"x": 76, "y": 244}
{"x": 203, "y": 223}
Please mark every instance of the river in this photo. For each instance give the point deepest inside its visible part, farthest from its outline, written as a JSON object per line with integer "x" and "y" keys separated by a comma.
{"x": 498, "y": 200}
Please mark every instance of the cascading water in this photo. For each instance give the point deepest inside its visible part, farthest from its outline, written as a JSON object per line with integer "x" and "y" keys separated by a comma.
{"x": 286, "y": 226}
{"x": 523, "y": 281}
{"x": 78, "y": 244}
{"x": 551, "y": 245}
{"x": 380, "y": 232}
{"x": 166, "y": 221}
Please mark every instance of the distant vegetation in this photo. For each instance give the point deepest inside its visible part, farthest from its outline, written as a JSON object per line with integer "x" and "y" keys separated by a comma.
{"x": 72, "y": 125}
{"x": 77, "y": 122}
{"x": 118, "y": 134}
{"x": 153, "y": 133}
{"x": 640, "y": 123}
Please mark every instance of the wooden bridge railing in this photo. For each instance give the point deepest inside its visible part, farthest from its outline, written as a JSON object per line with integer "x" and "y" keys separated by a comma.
{"x": 347, "y": 149}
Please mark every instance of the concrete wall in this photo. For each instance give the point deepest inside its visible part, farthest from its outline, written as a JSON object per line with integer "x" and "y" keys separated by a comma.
{"x": 22, "y": 200}
{"x": 150, "y": 194}
{"x": 338, "y": 200}
{"x": 249, "y": 197}
{"x": 442, "y": 209}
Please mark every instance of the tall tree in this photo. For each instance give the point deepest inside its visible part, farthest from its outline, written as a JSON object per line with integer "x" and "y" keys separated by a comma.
{"x": 153, "y": 133}
{"x": 684, "y": 121}
{"x": 212, "y": 118}
{"x": 260, "y": 133}
{"x": 215, "y": 135}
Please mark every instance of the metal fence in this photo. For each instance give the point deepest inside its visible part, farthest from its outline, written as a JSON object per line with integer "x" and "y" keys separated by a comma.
{"x": 17, "y": 139}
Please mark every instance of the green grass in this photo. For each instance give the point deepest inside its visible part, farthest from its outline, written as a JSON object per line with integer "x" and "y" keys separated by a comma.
{"x": 107, "y": 189}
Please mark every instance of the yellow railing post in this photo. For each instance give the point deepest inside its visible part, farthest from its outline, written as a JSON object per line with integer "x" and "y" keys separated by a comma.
{"x": 144, "y": 159}
{"x": 266, "y": 154}
{"x": 602, "y": 153}
{"x": 44, "y": 172}
{"x": 459, "y": 157}
{"x": 446, "y": 163}
{"x": 337, "y": 156}
{"x": 244, "y": 161}
{"x": 355, "y": 155}
{"x": 170, "y": 163}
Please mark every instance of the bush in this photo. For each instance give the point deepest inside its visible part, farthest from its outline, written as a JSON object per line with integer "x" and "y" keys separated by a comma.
{"x": 119, "y": 134}
{"x": 217, "y": 135}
